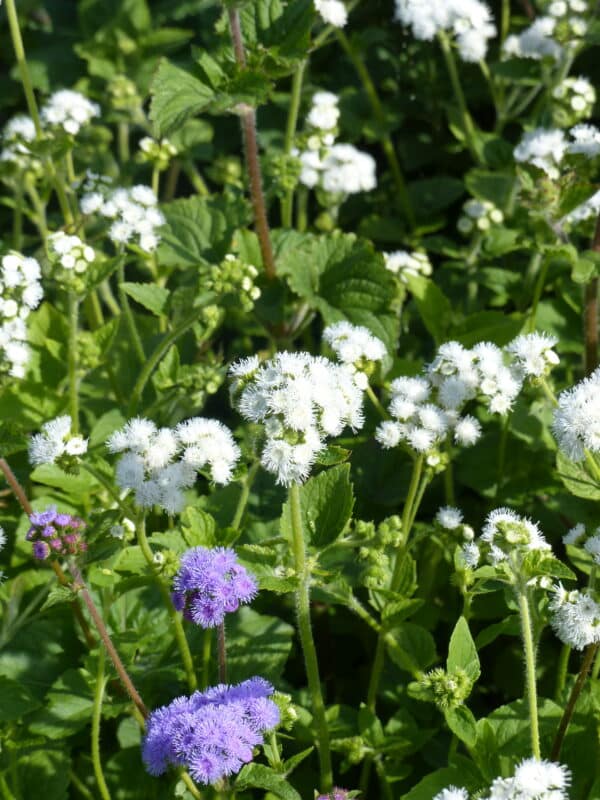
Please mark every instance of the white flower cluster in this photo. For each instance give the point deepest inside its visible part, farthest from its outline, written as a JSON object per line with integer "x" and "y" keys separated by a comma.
{"x": 577, "y": 95}
{"x": 545, "y": 148}
{"x": 324, "y": 115}
{"x": 470, "y": 21}
{"x": 301, "y": 400}
{"x": 479, "y": 215}
{"x": 159, "y": 463}
{"x": 337, "y": 168}
{"x": 576, "y": 423}
{"x": 55, "y": 442}
{"x": 574, "y": 617}
{"x": 68, "y": 110}
{"x": 567, "y": 12}
{"x": 533, "y": 353}
{"x": 18, "y": 132}
{"x": 504, "y": 531}
{"x": 405, "y": 264}
{"x": 70, "y": 252}
{"x": 533, "y": 779}
{"x": 355, "y": 346}
{"x": 535, "y": 42}
{"x": 333, "y": 12}
{"x": 589, "y": 209}
{"x": 20, "y": 292}
{"x": 591, "y": 544}
{"x": 449, "y": 517}
{"x": 134, "y": 212}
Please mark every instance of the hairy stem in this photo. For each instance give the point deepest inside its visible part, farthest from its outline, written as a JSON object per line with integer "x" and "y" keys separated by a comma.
{"x": 290, "y": 131}
{"x": 138, "y": 347}
{"x": 306, "y": 638}
{"x": 466, "y": 119}
{"x": 530, "y": 672}
{"x": 180, "y": 637}
{"x": 379, "y": 114}
{"x": 248, "y": 121}
{"x": 588, "y": 659}
{"x": 107, "y": 641}
{"x": 96, "y": 719}
{"x": 245, "y": 494}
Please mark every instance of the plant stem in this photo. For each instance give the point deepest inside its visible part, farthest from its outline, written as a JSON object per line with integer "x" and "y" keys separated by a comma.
{"x": 379, "y": 114}
{"x": 104, "y": 635}
{"x": 548, "y": 391}
{"x": 530, "y": 672}
{"x": 191, "y": 786}
{"x": 502, "y": 454}
{"x": 245, "y": 494}
{"x": 586, "y": 664}
{"x": 73, "y": 303}
{"x": 105, "y": 482}
{"x": 590, "y": 314}
{"x": 180, "y": 637}
{"x": 536, "y": 265}
{"x": 129, "y": 319}
{"x": 306, "y": 638}
{"x": 17, "y": 237}
{"x": 206, "y": 654}
{"x": 466, "y": 119}
{"x": 222, "y": 650}
{"x": 248, "y": 121}
{"x": 155, "y": 180}
{"x": 123, "y": 142}
{"x": 292, "y": 121}
{"x": 505, "y": 21}
{"x": 150, "y": 364}
{"x": 562, "y": 671}
{"x": 80, "y": 786}
{"x": 96, "y": 719}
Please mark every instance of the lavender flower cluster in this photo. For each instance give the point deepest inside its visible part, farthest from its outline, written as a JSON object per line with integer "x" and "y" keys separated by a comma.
{"x": 211, "y": 733}
{"x": 210, "y": 584}
{"x": 53, "y": 533}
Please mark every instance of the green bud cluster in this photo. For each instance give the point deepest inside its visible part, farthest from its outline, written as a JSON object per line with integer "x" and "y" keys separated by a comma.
{"x": 287, "y": 710}
{"x": 159, "y": 154}
{"x": 123, "y": 95}
{"x": 234, "y": 276}
{"x": 446, "y": 690}
{"x": 283, "y": 169}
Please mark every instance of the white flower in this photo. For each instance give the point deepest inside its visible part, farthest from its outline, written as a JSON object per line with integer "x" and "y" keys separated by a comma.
{"x": 479, "y": 215}
{"x": 577, "y": 419}
{"x": 20, "y": 292}
{"x": 354, "y": 344}
{"x": 535, "y": 42}
{"x": 134, "y": 213}
{"x": 404, "y": 264}
{"x": 574, "y": 534}
{"x": 590, "y": 208}
{"x": 333, "y": 12}
{"x": 544, "y": 149}
{"x": 592, "y": 546}
{"x": 467, "y": 431}
{"x": 69, "y": 110}
{"x": 470, "y": 554}
{"x": 586, "y": 141}
{"x": 346, "y": 170}
{"x": 70, "y": 254}
{"x": 55, "y": 441}
{"x": 388, "y": 434}
{"x": 575, "y": 618}
{"x": 504, "y": 530}
{"x": 2, "y": 538}
{"x": 533, "y": 353}
{"x": 449, "y": 517}
{"x": 324, "y": 113}
{"x": 452, "y": 793}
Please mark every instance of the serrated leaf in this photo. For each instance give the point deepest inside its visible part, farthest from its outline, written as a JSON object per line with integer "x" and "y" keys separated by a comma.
{"x": 149, "y": 295}
{"x": 176, "y": 96}
{"x": 56, "y": 595}
{"x": 539, "y": 563}
{"x": 258, "y": 776}
{"x": 576, "y": 478}
{"x": 257, "y": 644}
{"x": 198, "y": 527}
{"x": 462, "y": 653}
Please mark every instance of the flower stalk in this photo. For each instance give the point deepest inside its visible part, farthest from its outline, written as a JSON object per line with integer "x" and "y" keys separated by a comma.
{"x": 96, "y": 719}
{"x": 530, "y": 672}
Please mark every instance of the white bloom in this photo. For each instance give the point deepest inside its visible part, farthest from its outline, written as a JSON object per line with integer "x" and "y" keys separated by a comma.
{"x": 134, "y": 213}
{"x": 346, "y": 170}
{"x": 470, "y": 554}
{"x": 533, "y": 353}
{"x": 354, "y": 344}
{"x": 589, "y": 209}
{"x": 54, "y": 441}
{"x": 575, "y": 534}
{"x": 403, "y": 264}
{"x": 592, "y": 546}
{"x": 544, "y": 149}
{"x": 577, "y": 419}
{"x": 575, "y": 618}
{"x": 586, "y": 141}
{"x": 504, "y": 530}
{"x": 479, "y": 215}
{"x": 535, "y": 42}
{"x": 70, "y": 253}
{"x": 452, "y": 793}
{"x": 467, "y": 431}
{"x": 449, "y": 517}
{"x": 324, "y": 113}
{"x": 2, "y": 538}
{"x": 20, "y": 292}
{"x": 69, "y": 110}
{"x": 388, "y": 434}
{"x": 333, "y": 12}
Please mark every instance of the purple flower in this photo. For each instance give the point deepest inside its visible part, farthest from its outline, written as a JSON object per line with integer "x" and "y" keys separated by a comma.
{"x": 41, "y": 550}
{"x": 43, "y": 517}
{"x": 54, "y": 533}
{"x": 335, "y": 794}
{"x": 211, "y": 733}
{"x": 210, "y": 584}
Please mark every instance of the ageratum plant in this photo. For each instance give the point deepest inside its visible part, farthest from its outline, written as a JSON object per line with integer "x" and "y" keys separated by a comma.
{"x": 299, "y": 393}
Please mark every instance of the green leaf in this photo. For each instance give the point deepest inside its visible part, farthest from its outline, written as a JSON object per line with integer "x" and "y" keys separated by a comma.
{"x": 462, "y": 653}
{"x": 15, "y": 700}
{"x": 56, "y": 595}
{"x": 198, "y": 527}
{"x": 433, "y": 783}
{"x": 258, "y": 776}
{"x": 326, "y": 503}
{"x": 44, "y": 771}
{"x": 540, "y": 563}
{"x": 461, "y": 722}
{"x": 52, "y": 475}
{"x": 69, "y": 706}
{"x": 434, "y": 307}
{"x": 176, "y": 96}
{"x": 257, "y": 645}
{"x": 149, "y": 295}
{"x": 370, "y": 727}
{"x": 492, "y": 326}
{"x": 416, "y": 648}
{"x": 576, "y": 478}
{"x": 429, "y": 196}
{"x": 495, "y": 187}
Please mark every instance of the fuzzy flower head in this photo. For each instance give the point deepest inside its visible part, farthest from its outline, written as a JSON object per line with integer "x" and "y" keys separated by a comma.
{"x": 17, "y": 136}
{"x": 470, "y": 22}
{"x": 507, "y": 535}
{"x": 158, "y": 464}
{"x": 20, "y": 293}
{"x": 449, "y": 517}
{"x": 210, "y": 584}
{"x": 405, "y": 264}
{"x": 452, "y": 793}
{"x": 478, "y": 217}
{"x": 585, "y": 141}
{"x": 543, "y": 148}
{"x": 575, "y": 618}
{"x": 71, "y": 258}
{"x": 53, "y": 534}
{"x": 537, "y": 42}
{"x": 133, "y": 214}
{"x": 213, "y": 733}
{"x": 533, "y": 354}
{"x": 300, "y": 400}
{"x": 56, "y": 445}
{"x": 324, "y": 114}
{"x": 159, "y": 154}
{"x": 533, "y": 779}
{"x": 333, "y": 12}
{"x": 355, "y": 346}
{"x": 335, "y": 794}
{"x": 68, "y": 110}
{"x": 574, "y": 100}
{"x": 588, "y": 210}
{"x": 576, "y": 425}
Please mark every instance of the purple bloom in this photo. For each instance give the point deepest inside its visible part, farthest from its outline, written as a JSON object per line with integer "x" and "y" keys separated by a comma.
{"x": 54, "y": 533}
{"x": 335, "y": 794}
{"x": 210, "y": 584}
{"x": 211, "y": 733}
{"x": 43, "y": 517}
{"x": 62, "y": 520}
{"x": 41, "y": 550}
